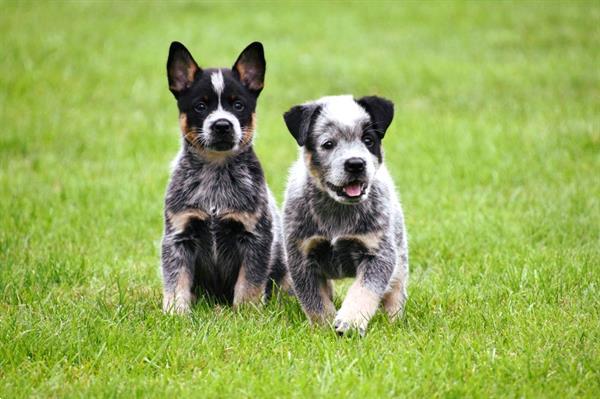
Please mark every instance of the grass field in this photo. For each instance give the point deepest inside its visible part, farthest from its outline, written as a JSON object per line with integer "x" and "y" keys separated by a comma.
{"x": 495, "y": 149}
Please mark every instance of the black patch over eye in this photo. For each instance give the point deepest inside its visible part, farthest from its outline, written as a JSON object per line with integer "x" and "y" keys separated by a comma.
{"x": 328, "y": 145}
{"x": 369, "y": 142}
{"x": 200, "y": 107}
{"x": 238, "y": 105}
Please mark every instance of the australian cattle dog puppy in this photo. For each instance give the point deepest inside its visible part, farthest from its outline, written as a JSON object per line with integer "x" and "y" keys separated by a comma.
{"x": 222, "y": 235}
{"x": 342, "y": 217}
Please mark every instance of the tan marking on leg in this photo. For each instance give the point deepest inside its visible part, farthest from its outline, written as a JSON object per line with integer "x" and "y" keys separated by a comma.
{"x": 329, "y": 289}
{"x": 179, "y": 301}
{"x": 246, "y": 292}
{"x": 357, "y": 309}
{"x": 395, "y": 297}
{"x": 248, "y": 219}
{"x": 370, "y": 240}
{"x": 328, "y": 313}
{"x": 308, "y": 244}
{"x": 180, "y": 220}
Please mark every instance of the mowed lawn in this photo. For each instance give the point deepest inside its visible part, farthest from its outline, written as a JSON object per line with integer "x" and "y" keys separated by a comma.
{"x": 495, "y": 149}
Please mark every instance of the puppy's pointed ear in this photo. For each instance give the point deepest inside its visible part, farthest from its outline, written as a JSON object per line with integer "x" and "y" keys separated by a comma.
{"x": 299, "y": 120}
{"x": 381, "y": 111}
{"x": 250, "y": 67}
{"x": 181, "y": 69}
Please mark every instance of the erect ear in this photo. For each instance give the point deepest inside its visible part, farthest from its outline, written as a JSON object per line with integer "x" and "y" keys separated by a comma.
{"x": 250, "y": 67}
{"x": 299, "y": 120}
{"x": 181, "y": 69}
{"x": 381, "y": 111}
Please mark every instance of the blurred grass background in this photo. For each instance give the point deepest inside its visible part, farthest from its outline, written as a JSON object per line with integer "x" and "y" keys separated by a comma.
{"x": 495, "y": 149}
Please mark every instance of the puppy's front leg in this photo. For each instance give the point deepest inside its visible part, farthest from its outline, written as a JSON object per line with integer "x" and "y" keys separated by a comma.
{"x": 314, "y": 292}
{"x": 254, "y": 271}
{"x": 365, "y": 294}
{"x": 178, "y": 272}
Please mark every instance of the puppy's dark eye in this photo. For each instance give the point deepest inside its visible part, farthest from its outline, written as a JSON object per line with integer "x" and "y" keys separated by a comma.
{"x": 368, "y": 141}
{"x": 328, "y": 145}
{"x": 200, "y": 106}
{"x": 238, "y": 105}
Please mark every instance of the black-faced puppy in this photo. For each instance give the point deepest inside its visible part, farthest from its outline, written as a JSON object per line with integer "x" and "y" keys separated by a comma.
{"x": 222, "y": 233}
{"x": 342, "y": 217}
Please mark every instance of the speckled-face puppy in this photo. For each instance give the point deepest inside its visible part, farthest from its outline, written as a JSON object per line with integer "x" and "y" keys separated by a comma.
{"x": 342, "y": 217}
{"x": 222, "y": 234}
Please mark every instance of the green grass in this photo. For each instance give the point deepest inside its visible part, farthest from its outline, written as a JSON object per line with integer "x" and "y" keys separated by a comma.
{"x": 495, "y": 149}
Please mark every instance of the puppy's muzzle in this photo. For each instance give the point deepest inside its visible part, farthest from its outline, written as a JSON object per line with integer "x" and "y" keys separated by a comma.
{"x": 222, "y": 137}
{"x": 355, "y": 166}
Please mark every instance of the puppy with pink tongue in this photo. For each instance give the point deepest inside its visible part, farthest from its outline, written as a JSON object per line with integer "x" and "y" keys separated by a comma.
{"x": 353, "y": 190}
{"x": 342, "y": 216}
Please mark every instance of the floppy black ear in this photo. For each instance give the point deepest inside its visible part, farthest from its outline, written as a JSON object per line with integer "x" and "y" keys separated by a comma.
{"x": 381, "y": 111}
{"x": 299, "y": 120}
{"x": 181, "y": 68}
{"x": 250, "y": 67}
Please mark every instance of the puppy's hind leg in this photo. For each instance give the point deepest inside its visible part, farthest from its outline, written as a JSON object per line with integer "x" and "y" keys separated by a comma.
{"x": 396, "y": 295}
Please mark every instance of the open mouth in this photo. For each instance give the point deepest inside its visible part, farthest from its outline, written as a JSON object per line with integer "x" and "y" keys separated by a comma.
{"x": 353, "y": 190}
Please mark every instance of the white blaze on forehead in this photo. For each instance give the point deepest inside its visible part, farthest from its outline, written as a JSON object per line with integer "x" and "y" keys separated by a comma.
{"x": 343, "y": 110}
{"x": 217, "y": 82}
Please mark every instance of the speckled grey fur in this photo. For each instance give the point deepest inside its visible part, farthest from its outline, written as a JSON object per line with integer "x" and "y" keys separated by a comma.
{"x": 328, "y": 236}
{"x": 223, "y": 235}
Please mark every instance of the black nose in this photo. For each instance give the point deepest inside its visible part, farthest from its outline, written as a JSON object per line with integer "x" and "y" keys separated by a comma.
{"x": 222, "y": 126}
{"x": 354, "y": 165}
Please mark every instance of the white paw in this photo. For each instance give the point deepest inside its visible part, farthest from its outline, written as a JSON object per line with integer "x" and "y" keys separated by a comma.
{"x": 177, "y": 305}
{"x": 346, "y": 323}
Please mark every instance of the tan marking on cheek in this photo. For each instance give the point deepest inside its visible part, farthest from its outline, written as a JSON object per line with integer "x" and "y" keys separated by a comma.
{"x": 183, "y": 123}
{"x": 314, "y": 172}
{"x": 189, "y": 134}
{"x": 307, "y": 245}
{"x": 370, "y": 240}
{"x": 248, "y": 132}
{"x": 248, "y": 219}
{"x": 180, "y": 220}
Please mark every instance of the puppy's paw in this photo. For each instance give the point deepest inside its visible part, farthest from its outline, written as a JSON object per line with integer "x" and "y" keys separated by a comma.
{"x": 248, "y": 302}
{"x": 248, "y": 297}
{"x": 177, "y": 306}
{"x": 345, "y": 325}
{"x": 324, "y": 318}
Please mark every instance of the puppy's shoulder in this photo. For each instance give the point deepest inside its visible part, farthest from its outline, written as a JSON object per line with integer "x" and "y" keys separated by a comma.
{"x": 386, "y": 184}
{"x": 297, "y": 178}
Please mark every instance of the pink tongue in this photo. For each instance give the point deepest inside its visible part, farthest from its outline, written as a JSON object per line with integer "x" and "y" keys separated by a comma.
{"x": 353, "y": 190}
